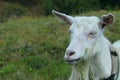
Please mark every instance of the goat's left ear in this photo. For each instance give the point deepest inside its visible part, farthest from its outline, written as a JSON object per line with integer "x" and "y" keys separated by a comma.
{"x": 107, "y": 20}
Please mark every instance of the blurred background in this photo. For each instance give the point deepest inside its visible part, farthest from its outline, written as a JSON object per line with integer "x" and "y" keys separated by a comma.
{"x": 10, "y": 8}
{"x": 33, "y": 42}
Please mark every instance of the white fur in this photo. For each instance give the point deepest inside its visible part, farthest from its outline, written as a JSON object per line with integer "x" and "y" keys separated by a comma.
{"x": 117, "y": 47}
{"x": 88, "y": 44}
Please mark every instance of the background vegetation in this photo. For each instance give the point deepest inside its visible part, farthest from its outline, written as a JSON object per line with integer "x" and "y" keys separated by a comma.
{"x": 16, "y": 8}
{"x": 32, "y": 45}
{"x": 44, "y": 7}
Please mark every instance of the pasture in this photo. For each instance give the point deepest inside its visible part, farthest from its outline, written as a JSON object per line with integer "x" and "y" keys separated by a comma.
{"x": 33, "y": 48}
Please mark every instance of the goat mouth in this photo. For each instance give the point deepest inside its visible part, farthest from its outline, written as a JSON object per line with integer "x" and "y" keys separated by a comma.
{"x": 73, "y": 60}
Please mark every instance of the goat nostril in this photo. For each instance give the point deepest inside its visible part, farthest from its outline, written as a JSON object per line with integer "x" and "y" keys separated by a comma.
{"x": 71, "y": 53}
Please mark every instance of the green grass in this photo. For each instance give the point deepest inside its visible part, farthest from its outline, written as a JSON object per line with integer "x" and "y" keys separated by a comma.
{"x": 33, "y": 48}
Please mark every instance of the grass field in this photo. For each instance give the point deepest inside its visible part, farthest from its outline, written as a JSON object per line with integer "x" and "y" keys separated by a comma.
{"x": 33, "y": 48}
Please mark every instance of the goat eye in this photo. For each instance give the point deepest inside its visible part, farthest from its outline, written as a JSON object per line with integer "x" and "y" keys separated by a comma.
{"x": 91, "y": 34}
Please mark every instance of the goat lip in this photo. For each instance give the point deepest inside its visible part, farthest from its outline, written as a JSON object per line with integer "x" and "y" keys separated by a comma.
{"x": 68, "y": 60}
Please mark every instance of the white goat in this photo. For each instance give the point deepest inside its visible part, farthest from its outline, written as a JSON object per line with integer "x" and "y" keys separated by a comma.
{"x": 89, "y": 45}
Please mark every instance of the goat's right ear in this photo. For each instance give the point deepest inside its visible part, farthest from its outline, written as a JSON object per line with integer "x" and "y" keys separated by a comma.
{"x": 65, "y": 18}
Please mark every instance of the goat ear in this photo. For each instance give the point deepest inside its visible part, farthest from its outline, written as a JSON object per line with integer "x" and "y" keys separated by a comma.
{"x": 63, "y": 17}
{"x": 107, "y": 20}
